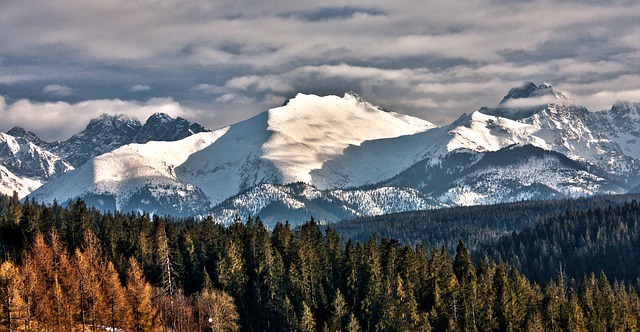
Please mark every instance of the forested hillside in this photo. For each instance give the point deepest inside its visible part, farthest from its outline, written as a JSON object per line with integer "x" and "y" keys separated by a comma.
{"x": 604, "y": 239}
{"x": 74, "y": 268}
{"x": 476, "y": 225}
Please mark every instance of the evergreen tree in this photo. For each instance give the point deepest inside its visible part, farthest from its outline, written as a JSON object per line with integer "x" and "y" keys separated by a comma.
{"x": 307, "y": 321}
{"x": 339, "y": 314}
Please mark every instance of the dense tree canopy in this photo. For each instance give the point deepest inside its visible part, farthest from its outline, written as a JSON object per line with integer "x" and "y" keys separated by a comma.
{"x": 74, "y": 268}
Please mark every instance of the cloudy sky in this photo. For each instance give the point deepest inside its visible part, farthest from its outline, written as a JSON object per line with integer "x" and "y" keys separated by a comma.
{"x": 63, "y": 62}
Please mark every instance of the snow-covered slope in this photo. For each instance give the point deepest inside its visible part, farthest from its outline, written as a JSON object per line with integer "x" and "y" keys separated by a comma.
{"x": 280, "y": 146}
{"x": 291, "y": 143}
{"x": 356, "y": 159}
{"x": 135, "y": 175}
{"x": 10, "y": 183}
{"x": 523, "y": 173}
{"x": 297, "y": 202}
{"x": 29, "y": 160}
{"x": 24, "y": 166}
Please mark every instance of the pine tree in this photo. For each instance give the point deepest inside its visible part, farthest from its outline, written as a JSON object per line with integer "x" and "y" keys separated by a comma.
{"x": 370, "y": 280}
{"x": 88, "y": 265}
{"x": 63, "y": 283}
{"x": 307, "y": 321}
{"x": 353, "y": 325}
{"x": 466, "y": 274}
{"x": 338, "y": 319}
{"x": 575, "y": 320}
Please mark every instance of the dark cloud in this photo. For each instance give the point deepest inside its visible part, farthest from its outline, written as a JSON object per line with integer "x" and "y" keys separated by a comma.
{"x": 219, "y": 62}
{"x": 331, "y": 13}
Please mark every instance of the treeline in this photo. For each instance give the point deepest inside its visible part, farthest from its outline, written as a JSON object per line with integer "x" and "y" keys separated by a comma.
{"x": 475, "y": 225}
{"x": 53, "y": 290}
{"x": 304, "y": 279}
{"x": 603, "y": 239}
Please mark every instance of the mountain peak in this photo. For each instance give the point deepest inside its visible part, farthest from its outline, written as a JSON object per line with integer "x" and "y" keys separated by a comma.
{"x": 351, "y": 94}
{"x": 105, "y": 118}
{"x": 159, "y": 116}
{"x": 543, "y": 93}
{"x": 23, "y": 133}
{"x": 163, "y": 127}
{"x": 528, "y": 99}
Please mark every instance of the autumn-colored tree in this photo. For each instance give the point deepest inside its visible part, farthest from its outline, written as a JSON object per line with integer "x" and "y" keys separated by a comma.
{"x": 89, "y": 267}
{"x": 12, "y": 306}
{"x": 216, "y": 311}
{"x": 117, "y": 312}
{"x": 139, "y": 293}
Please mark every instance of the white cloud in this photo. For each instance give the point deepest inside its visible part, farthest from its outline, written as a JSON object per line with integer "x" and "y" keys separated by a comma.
{"x": 57, "y": 90}
{"x": 435, "y": 59}
{"x": 18, "y": 78}
{"x": 234, "y": 98}
{"x": 140, "y": 88}
{"x": 60, "y": 120}
{"x": 528, "y": 102}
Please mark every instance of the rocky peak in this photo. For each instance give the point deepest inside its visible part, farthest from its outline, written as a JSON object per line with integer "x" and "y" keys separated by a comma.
{"x": 20, "y": 132}
{"x": 529, "y": 99}
{"x": 118, "y": 123}
{"x": 102, "y": 134}
{"x": 162, "y": 127}
{"x": 530, "y": 90}
{"x": 22, "y": 157}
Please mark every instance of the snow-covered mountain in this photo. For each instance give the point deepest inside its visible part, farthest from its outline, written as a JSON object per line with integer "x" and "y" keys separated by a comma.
{"x": 10, "y": 183}
{"x": 162, "y": 127}
{"x": 135, "y": 177}
{"x": 109, "y": 132}
{"x": 337, "y": 157}
{"x": 299, "y": 201}
{"x": 24, "y": 166}
{"x": 20, "y": 156}
{"x": 291, "y": 143}
{"x": 280, "y": 146}
{"x": 28, "y": 161}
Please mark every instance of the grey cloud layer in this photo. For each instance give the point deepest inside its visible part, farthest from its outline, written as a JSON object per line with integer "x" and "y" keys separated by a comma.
{"x": 223, "y": 61}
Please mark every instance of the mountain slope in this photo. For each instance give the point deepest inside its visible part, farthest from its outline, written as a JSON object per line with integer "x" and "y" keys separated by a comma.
{"x": 29, "y": 160}
{"x": 298, "y": 201}
{"x": 135, "y": 176}
{"x": 10, "y": 183}
{"x": 288, "y": 144}
{"x": 24, "y": 166}
{"x": 280, "y": 146}
{"x": 535, "y": 144}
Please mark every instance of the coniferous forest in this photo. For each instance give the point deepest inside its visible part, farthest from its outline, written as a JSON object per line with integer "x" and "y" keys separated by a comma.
{"x": 74, "y": 268}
